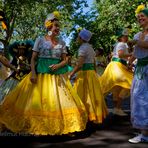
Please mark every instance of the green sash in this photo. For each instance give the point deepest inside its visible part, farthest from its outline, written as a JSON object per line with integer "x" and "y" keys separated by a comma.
{"x": 43, "y": 66}
{"x": 88, "y": 66}
{"x": 141, "y": 63}
{"x": 119, "y": 60}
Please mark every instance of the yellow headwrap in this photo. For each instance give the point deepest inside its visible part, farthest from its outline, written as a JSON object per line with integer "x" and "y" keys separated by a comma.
{"x": 56, "y": 14}
{"x": 79, "y": 29}
{"x": 48, "y": 24}
{"x": 139, "y": 9}
{"x": 50, "y": 17}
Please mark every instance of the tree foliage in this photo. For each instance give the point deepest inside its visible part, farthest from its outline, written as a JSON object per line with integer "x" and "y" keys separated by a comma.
{"x": 25, "y": 18}
{"x": 110, "y": 15}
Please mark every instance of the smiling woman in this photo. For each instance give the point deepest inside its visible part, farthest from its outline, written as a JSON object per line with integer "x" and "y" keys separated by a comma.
{"x": 139, "y": 91}
{"x": 44, "y": 102}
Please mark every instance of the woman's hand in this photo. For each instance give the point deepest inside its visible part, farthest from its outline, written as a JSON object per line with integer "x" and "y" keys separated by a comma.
{"x": 70, "y": 75}
{"x": 130, "y": 66}
{"x": 33, "y": 78}
{"x": 54, "y": 67}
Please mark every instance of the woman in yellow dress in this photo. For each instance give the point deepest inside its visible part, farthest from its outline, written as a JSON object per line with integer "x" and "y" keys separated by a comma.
{"x": 117, "y": 78}
{"x": 44, "y": 102}
{"x": 87, "y": 83}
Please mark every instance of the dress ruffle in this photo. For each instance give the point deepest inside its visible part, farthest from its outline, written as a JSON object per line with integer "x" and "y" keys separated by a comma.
{"x": 88, "y": 88}
{"x": 116, "y": 74}
{"x": 50, "y": 107}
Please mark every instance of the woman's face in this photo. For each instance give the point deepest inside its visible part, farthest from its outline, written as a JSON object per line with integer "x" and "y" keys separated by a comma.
{"x": 142, "y": 19}
{"x": 123, "y": 38}
{"x": 55, "y": 28}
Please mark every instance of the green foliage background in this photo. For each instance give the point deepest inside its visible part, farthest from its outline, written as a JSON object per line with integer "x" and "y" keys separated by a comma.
{"x": 25, "y": 19}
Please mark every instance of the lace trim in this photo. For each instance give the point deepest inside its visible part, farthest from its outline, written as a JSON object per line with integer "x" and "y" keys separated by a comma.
{"x": 43, "y": 122}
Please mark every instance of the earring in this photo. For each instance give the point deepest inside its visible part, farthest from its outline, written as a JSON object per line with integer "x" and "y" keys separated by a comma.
{"x": 49, "y": 33}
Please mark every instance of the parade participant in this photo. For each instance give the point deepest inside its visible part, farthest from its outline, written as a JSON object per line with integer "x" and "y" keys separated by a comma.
{"x": 4, "y": 62}
{"x": 44, "y": 102}
{"x": 117, "y": 78}
{"x": 20, "y": 55}
{"x": 139, "y": 90}
{"x": 21, "y": 58}
{"x": 87, "y": 83}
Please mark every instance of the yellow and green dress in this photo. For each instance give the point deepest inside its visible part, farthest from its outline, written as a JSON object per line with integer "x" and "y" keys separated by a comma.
{"x": 88, "y": 87}
{"x": 117, "y": 74}
{"x": 49, "y": 107}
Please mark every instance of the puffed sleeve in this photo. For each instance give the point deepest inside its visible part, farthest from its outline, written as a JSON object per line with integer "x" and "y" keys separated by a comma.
{"x": 136, "y": 36}
{"x": 82, "y": 51}
{"x": 36, "y": 45}
{"x": 64, "y": 50}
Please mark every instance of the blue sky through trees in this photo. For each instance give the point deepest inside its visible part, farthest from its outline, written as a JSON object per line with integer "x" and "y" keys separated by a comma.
{"x": 85, "y": 10}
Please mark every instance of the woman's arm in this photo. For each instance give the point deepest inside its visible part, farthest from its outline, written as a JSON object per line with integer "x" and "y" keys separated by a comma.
{"x": 142, "y": 44}
{"x": 5, "y": 62}
{"x": 130, "y": 62}
{"x": 95, "y": 64}
{"x": 78, "y": 66}
{"x": 33, "y": 60}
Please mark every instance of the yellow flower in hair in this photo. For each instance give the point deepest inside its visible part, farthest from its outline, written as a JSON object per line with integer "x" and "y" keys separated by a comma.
{"x": 79, "y": 29}
{"x": 56, "y": 14}
{"x": 139, "y": 9}
{"x": 48, "y": 23}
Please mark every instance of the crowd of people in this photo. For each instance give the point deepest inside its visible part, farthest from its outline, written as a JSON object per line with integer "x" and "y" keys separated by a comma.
{"x": 38, "y": 98}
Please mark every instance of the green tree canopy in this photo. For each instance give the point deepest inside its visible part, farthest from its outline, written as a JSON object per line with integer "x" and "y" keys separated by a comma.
{"x": 106, "y": 17}
{"x": 25, "y": 18}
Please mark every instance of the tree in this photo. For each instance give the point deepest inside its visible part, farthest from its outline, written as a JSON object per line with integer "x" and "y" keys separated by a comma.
{"x": 25, "y": 18}
{"x": 106, "y": 18}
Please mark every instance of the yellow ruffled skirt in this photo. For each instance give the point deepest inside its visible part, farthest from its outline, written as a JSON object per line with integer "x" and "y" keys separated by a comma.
{"x": 116, "y": 76}
{"x": 88, "y": 88}
{"x": 50, "y": 107}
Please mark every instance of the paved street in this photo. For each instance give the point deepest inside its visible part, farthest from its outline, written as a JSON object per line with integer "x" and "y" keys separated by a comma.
{"x": 113, "y": 133}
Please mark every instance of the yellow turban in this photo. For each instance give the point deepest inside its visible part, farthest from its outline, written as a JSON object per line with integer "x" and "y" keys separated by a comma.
{"x": 50, "y": 17}
{"x": 139, "y": 9}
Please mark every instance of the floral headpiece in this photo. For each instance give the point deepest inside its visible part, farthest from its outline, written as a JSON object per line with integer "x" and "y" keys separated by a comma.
{"x": 56, "y": 14}
{"x": 139, "y": 9}
{"x": 79, "y": 29}
{"x": 51, "y": 17}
